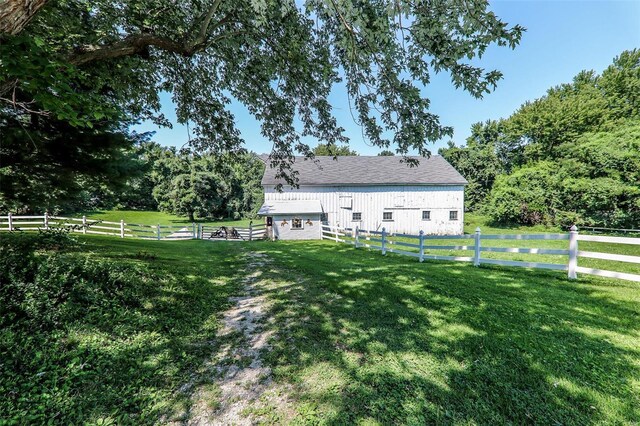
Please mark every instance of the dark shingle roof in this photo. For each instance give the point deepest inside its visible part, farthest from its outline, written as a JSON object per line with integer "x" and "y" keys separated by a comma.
{"x": 364, "y": 170}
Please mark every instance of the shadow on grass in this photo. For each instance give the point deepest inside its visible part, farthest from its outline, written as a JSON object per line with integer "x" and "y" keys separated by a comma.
{"x": 128, "y": 352}
{"x": 395, "y": 341}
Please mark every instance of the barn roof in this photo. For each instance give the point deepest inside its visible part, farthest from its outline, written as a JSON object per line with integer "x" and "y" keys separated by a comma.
{"x": 290, "y": 207}
{"x": 370, "y": 170}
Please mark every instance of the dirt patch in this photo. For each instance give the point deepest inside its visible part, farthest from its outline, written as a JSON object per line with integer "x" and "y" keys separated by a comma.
{"x": 243, "y": 392}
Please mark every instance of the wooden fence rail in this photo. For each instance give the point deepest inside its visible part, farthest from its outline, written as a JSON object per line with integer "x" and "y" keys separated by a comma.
{"x": 387, "y": 243}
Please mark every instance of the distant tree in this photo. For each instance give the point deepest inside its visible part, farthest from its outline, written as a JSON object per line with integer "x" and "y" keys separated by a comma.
{"x": 479, "y": 161}
{"x": 545, "y": 129}
{"x": 386, "y": 153}
{"x": 191, "y": 185}
{"x": 333, "y": 150}
{"x": 138, "y": 193}
{"x": 594, "y": 183}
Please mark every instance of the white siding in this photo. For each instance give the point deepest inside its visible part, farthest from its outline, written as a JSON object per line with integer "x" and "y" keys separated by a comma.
{"x": 308, "y": 232}
{"x": 406, "y": 203}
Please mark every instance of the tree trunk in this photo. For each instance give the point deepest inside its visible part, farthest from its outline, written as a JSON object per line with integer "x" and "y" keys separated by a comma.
{"x": 16, "y": 14}
{"x": 191, "y": 217}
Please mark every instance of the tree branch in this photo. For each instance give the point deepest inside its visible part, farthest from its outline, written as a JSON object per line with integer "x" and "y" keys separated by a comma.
{"x": 138, "y": 43}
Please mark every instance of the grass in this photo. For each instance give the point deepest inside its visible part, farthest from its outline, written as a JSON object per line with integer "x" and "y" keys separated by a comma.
{"x": 155, "y": 218}
{"x": 474, "y": 220}
{"x": 117, "y": 352}
{"x": 360, "y": 339}
{"x": 372, "y": 341}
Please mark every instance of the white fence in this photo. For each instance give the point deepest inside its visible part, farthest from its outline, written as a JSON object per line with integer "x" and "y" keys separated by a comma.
{"x": 404, "y": 243}
{"x": 122, "y": 229}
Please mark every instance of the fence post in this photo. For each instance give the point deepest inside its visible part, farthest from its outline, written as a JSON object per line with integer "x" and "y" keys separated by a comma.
{"x": 10, "y": 221}
{"x": 158, "y": 231}
{"x": 199, "y": 231}
{"x": 357, "y": 235}
{"x": 121, "y": 228}
{"x": 84, "y": 224}
{"x": 46, "y": 220}
{"x": 193, "y": 230}
{"x": 476, "y": 252}
{"x": 336, "y": 229}
{"x": 384, "y": 244}
{"x": 573, "y": 252}
{"x": 421, "y": 235}
{"x": 250, "y": 230}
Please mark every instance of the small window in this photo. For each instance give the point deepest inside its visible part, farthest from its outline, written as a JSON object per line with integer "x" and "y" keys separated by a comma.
{"x": 426, "y": 214}
{"x": 324, "y": 217}
{"x": 296, "y": 223}
{"x": 345, "y": 201}
{"x": 453, "y": 215}
{"x": 356, "y": 217}
{"x": 387, "y": 215}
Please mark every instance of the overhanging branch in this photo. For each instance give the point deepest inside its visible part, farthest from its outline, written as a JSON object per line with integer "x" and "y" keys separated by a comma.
{"x": 138, "y": 43}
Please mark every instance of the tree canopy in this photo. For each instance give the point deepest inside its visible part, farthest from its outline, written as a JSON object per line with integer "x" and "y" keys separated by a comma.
{"x": 88, "y": 62}
{"x": 533, "y": 166}
{"x": 333, "y": 150}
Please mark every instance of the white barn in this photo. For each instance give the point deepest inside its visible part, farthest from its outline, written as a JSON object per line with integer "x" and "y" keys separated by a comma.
{"x": 368, "y": 192}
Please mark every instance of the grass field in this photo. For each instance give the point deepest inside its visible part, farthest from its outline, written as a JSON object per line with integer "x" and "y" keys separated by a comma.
{"x": 108, "y": 331}
{"x": 391, "y": 341}
{"x": 359, "y": 339}
{"x": 155, "y": 218}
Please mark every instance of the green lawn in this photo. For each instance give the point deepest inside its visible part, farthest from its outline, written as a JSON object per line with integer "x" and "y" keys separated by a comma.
{"x": 367, "y": 340}
{"x": 78, "y": 346}
{"x": 474, "y": 220}
{"x": 155, "y": 218}
{"x": 359, "y": 339}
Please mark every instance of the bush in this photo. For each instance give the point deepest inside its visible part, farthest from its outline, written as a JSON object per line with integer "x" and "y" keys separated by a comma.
{"x": 43, "y": 294}
{"x": 596, "y": 183}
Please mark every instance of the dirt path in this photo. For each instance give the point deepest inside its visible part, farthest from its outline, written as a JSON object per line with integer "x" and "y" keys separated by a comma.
{"x": 243, "y": 390}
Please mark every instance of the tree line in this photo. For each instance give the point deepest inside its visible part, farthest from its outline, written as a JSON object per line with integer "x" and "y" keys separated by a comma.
{"x": 569, "y": 157}
{"x": 142, "y": 175}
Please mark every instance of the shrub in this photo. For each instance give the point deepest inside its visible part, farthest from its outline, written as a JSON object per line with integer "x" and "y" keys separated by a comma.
{"x": 43, "y": 295}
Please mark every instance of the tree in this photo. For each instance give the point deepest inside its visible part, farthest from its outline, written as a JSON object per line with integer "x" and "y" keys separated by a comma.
{"x": 546, "y": 129}
{"x": 594, "y": 183}
{"x": 138, "y": 193}
{"x": 51, "y": 165}
{"x": 479, "y": 161}
{"x": 281, "y": 59}
{"x": 386, "y": 153}
{"x": 207, "y": 185}
{"x": 332, "y": 150}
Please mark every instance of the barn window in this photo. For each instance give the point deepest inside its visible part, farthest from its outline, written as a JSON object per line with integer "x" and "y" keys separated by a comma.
{"x": 426, "y": 214}
{"x": 324, "y": 217}
{"x": 356, "y": 217}
{"x": 387, "y": 215}
{"x": 345, "y": 201}
{"x": 296, "y": 223}
{"x": 453, "y": 215}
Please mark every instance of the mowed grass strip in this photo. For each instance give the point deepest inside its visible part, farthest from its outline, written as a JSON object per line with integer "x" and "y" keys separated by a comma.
{"x": 367, "y": 339}
{"x": 128, "y": 344}
{"x": 142, "y": 217}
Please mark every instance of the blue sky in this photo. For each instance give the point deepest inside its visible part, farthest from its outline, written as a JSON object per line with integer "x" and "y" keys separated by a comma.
{"x": 562, "y": 38}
